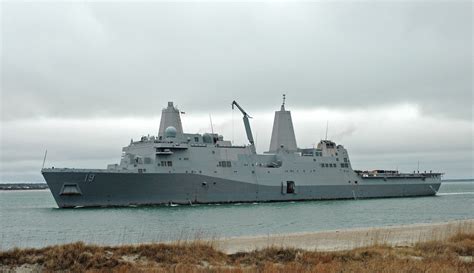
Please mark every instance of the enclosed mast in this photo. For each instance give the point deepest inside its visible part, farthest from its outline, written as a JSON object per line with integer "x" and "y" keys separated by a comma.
{"x": 283, "y": 134}
{"x": 170, "y": 117}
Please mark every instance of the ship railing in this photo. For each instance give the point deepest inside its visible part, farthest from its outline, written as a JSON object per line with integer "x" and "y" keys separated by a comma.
{"x": 398, "y": 175}
{"x": 88, "y": 170}
{"x": 171, "y": 146}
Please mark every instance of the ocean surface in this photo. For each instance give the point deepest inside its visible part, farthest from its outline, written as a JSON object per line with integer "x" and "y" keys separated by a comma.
{"x": 32, "y": 219}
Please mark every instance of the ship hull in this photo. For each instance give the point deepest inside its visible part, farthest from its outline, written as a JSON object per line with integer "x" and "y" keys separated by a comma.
{"x": 78, "y": 189}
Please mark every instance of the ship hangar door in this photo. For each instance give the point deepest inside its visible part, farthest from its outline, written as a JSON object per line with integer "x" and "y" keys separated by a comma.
{"x": 290, "y": 187}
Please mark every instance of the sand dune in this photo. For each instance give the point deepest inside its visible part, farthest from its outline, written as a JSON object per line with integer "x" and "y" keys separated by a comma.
{"x": 349, "y": 238}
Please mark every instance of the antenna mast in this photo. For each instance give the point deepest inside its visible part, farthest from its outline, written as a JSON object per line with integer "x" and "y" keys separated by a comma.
{"x": 327, "y": 127}
{"x": 212, "y": 127}
{"x": 44, "y": 159}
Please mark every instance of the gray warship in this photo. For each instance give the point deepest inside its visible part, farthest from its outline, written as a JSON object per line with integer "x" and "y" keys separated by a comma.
{"x": 181, "y": 168}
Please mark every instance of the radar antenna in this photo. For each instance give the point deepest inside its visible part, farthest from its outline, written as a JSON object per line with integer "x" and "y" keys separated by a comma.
{"x": 248, "y": 130}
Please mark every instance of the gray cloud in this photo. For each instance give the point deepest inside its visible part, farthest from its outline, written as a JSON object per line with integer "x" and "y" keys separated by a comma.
{"x": 128, "y": 59}
{"x": 72, "y": 72}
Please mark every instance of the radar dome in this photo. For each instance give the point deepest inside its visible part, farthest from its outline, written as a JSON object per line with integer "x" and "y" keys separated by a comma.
{"x": 207, "y": 138}
{"x": 170, "y": 132}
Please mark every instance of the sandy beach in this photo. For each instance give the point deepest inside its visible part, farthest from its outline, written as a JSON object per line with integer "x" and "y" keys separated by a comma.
{"x": 431, "y": 247}
{"x": 344, "y": 239}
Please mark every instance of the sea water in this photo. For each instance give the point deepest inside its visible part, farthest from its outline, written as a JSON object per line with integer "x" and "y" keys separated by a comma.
{"x": 32, "y": 219}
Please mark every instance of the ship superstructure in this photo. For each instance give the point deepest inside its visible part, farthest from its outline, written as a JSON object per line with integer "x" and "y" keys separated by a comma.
{"x": 184, "y": 168}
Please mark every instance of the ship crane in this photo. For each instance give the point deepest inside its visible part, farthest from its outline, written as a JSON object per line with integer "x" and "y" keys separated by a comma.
{"x": 248, "y": 130}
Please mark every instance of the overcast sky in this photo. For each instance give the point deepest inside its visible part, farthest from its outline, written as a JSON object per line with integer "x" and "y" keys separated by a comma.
{"x": 394, "y": 79}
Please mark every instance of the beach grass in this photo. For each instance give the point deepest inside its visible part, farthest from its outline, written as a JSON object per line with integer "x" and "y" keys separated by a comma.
{"x": 442, "y": 253}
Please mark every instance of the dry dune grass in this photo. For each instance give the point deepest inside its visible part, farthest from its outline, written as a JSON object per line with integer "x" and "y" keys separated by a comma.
{"x": 78, "y": 257}
{"x": 453, "y": 254}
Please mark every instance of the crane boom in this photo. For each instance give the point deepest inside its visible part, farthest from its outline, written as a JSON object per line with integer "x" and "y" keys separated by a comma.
{"x": 248, "y": 130}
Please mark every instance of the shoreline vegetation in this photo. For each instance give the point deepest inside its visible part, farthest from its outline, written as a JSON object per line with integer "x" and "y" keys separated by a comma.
{"x": 439, "y": 247}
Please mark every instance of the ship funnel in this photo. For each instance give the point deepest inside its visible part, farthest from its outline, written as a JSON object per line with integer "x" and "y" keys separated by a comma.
{"x": 170, "y": 117}
{"x": 283, "y": 134}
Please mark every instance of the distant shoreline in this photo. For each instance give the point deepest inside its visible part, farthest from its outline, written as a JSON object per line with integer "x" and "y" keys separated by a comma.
{"x": 458, "y": 180}
{"x": 23, "y": 186}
